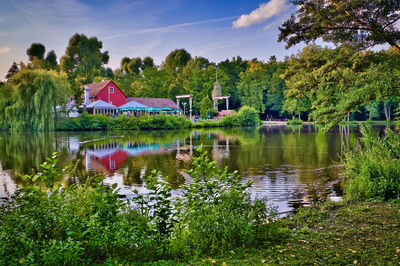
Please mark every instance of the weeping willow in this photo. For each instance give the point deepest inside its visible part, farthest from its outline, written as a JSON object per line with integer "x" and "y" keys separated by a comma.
{"x": 32, "y": 105}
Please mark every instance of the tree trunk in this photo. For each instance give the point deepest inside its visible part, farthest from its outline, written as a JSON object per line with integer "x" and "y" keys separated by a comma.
{"x": 299, "y": 116}
{"x": 348, "y": 117}
{"x": 385, "y": 111}
{"x": 394, "y": 45}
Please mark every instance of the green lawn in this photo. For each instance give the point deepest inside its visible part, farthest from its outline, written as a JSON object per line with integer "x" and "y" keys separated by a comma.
{"x": 331, "y": 234}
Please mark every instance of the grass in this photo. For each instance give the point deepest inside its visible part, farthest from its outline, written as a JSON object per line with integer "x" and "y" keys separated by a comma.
{"x": 330, "y": 234}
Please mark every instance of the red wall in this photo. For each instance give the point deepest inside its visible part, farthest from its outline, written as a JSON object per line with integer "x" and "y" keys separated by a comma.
{"x": 117, "y": 98}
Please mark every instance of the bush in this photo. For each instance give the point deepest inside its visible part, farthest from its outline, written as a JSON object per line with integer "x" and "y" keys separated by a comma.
{"x": 372, "y": 169}
{"x": 248, "y": 116}
{"x": 99, "y": 122}
{"x": 215, "y": 213}
{"x": 245, "y": 117}
{"x": 294, "y": 121}
{"x": 88, "y": 223}
{"x": 81, "y": 224}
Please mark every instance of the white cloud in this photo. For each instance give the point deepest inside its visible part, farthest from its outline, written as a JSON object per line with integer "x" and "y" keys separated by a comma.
{"x": 261, "y": 14}
{"x": 5, "y": 50}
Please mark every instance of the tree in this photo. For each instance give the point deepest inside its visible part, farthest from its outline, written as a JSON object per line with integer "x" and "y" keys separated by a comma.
{"x": 51, "y": 59}
{"x": 205, "y": 106}
{"x": 252, "y": 85}
{"x": 373, "y": 110}
{"x": 364, "y": 23}
{"x": 34, "y": 97}
{"x": 176, "y": 59}
{"x": 233, "y": 68}
{"x": 135, "y": 65}
{"x": 124, "y": 64}
{"x": 147, "y": 62}
{"x": 82, "y": 59}
{"x": 200, "y": 82}
{"x": 338, "y": 81}
{"x": 36, "y": 50}
{"x": 14, "y": 69}
{"x": 151, "y": 84}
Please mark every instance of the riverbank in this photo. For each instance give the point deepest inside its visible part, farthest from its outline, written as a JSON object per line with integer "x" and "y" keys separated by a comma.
{"x": 332, "y": 233}
{"x": 352, "y": 123}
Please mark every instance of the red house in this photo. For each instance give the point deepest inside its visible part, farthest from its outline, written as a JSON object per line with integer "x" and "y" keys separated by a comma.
{"x": 106, "y": 91}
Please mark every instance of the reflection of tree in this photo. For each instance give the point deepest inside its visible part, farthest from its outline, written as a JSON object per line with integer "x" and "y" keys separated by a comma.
{"x": 24, "y": 152}
{"x": 133, "y": 176}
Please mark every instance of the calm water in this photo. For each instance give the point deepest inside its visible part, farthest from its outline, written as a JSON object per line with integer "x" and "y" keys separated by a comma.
{"x": 288, "y": 166}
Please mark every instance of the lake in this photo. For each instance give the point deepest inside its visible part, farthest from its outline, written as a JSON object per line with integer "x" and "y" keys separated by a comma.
{"x": 289, "y": 166}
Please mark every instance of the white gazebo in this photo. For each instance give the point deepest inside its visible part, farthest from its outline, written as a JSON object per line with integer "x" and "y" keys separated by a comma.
{"x": 101, "y": 107}
{"x": 190, "y": 96}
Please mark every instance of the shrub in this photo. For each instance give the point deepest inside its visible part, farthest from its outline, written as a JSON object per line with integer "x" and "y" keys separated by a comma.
{"x": 215, "y": 213}
{"x": 99, "y": 122}
{"x": 87, "y": 223}
{"x": 81, "y": 224}
{"x": 372, "y": 169}
{"x": 294, "y": 121}
{"x": 248, "y": 116}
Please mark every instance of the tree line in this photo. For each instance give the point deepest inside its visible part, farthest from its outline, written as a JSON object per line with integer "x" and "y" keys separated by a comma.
{"x": 322, "y": 84}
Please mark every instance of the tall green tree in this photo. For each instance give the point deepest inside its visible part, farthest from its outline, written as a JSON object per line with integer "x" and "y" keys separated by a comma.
{"x": 14, "y": 69}
{"x": 200, "y": 81}
{"x": 205, "y": 106}
{"x": 135, "y": 65}
{"x": 51, "y": 60}
{"x": 176, "y": 60}
{"x": 36, "y": 50}
{"x": 252, "y": 85}
{"x": 152, "y": 83}
{"x": 147, "y": 62}
{"x": 233, "y": 68}
{"x": 33, "y": 100}
{"x": 363, "y": 23}
{"x": 83, "y": 58}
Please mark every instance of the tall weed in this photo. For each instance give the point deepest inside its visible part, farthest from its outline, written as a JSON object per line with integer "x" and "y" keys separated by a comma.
{"x": 372, "y": 169}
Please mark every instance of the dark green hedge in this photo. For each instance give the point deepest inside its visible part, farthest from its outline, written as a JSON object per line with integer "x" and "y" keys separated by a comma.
{"x": 245, "y": 117}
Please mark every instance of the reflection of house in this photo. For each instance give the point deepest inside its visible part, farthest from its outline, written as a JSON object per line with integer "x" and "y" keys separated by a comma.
{"x": 134, "y": 149}
{"x": 105, "y": 158}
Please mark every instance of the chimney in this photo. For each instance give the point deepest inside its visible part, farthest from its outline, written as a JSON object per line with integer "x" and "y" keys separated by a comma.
{"x": 86, "y": 95}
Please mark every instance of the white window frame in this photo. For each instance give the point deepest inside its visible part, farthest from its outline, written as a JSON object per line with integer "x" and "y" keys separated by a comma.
{"x": 111, "y": 89}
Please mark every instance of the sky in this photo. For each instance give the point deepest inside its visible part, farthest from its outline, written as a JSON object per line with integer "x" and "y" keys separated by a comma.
{"x": 216, "y": 30}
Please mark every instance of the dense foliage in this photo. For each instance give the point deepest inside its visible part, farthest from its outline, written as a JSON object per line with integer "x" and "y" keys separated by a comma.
{"x": 321, "y": 84}
{"x": 364, "y": 23}
{"x": 99, "y": 122}
{"x": 86, "y": 222}
{"x": 246, "y": 117}
{"x": 29, "y": 101}
{"x": 372, "y": 169}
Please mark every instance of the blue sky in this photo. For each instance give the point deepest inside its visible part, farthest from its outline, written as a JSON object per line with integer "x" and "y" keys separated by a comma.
{"x": 216, "y": 30}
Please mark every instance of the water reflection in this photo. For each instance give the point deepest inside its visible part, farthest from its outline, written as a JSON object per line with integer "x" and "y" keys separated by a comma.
{"x": 289, "y": 166}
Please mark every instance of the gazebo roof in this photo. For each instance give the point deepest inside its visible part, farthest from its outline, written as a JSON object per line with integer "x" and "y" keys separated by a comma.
{"x": 133, "y": 105}
{"x": 101, "y": 105}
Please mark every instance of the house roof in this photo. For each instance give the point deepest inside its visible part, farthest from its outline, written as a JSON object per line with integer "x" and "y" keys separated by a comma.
{"x": 96, "y": 87}
{"x": 101, "y": 105}
{"x": 132, "y": 105}
{"x": 155, "y": 102}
